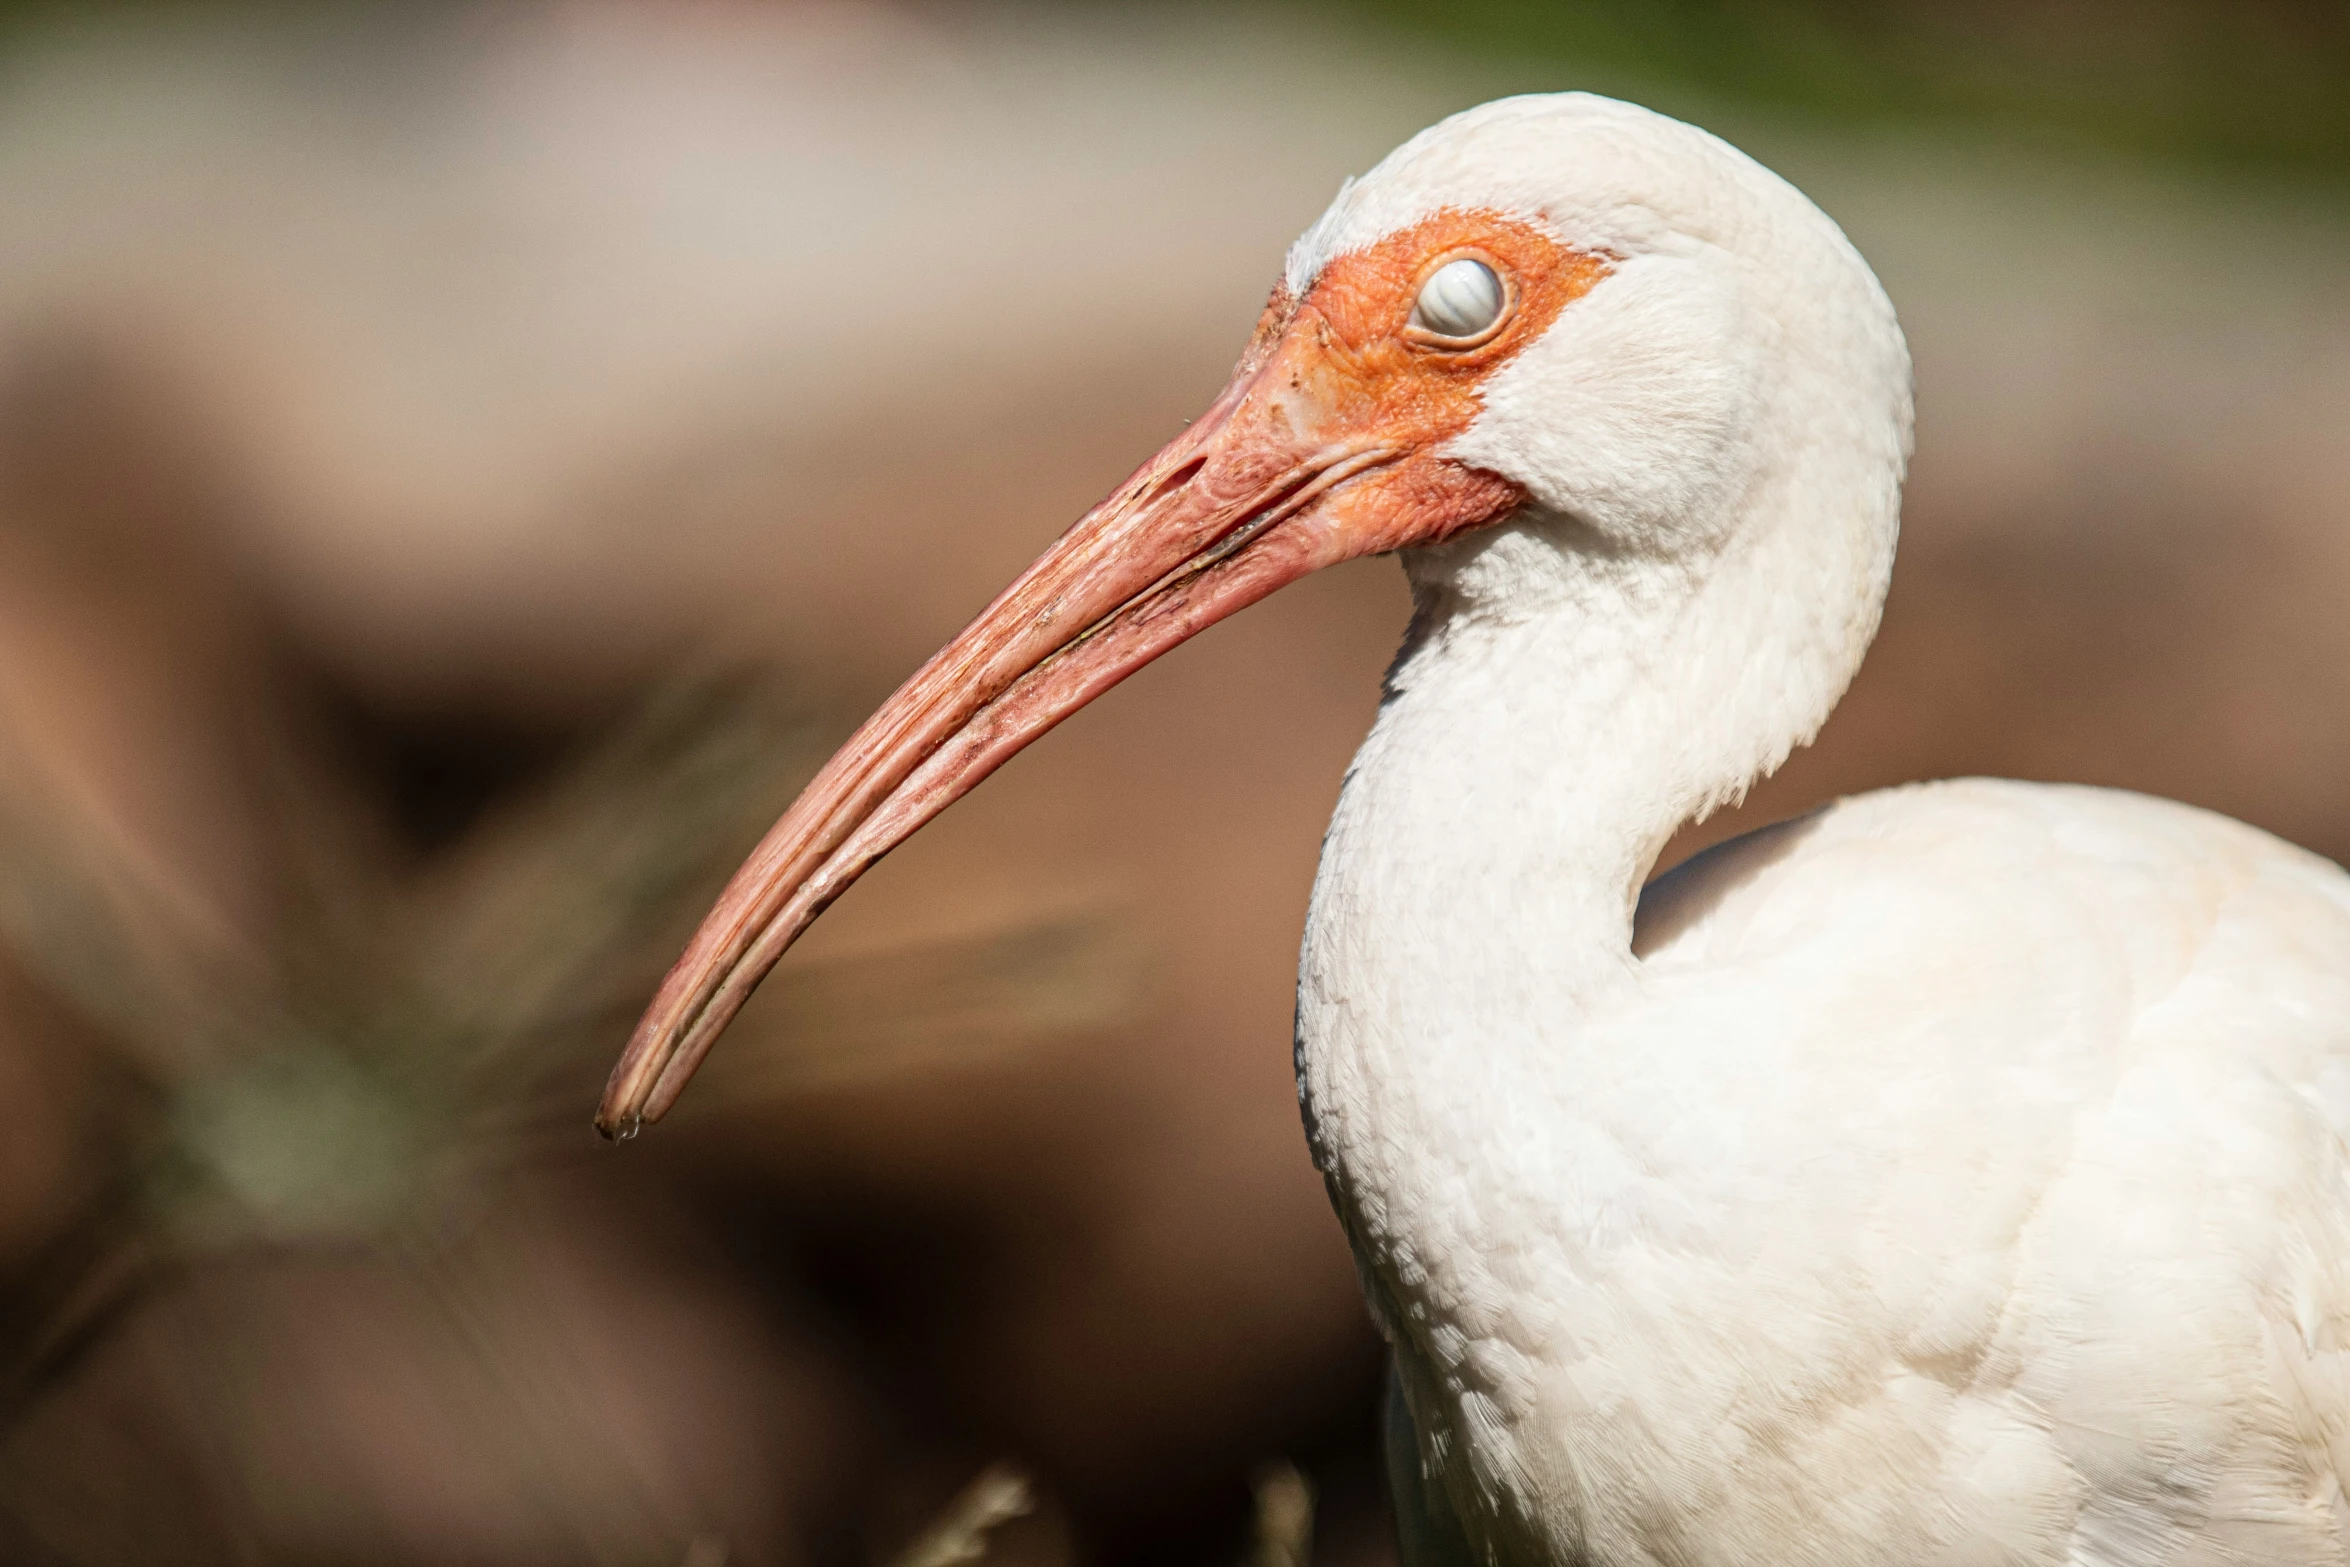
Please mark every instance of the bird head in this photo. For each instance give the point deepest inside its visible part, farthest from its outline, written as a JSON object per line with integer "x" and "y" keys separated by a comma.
{"x": 1560, "y": 308}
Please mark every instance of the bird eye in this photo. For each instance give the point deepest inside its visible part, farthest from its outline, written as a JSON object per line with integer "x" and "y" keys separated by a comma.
{"x": 1462, "y": 300}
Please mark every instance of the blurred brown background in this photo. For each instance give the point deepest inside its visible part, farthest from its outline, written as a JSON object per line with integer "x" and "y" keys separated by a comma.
{"x": 460, "y": 468}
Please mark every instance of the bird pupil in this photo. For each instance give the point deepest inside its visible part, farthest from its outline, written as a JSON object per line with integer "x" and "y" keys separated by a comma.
{"x": 1461, "y": 299}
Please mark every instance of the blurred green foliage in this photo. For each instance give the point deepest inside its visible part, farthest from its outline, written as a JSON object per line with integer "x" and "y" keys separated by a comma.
{"x": 2251, "y": 83}
{"x": 2248, "y": 83}
{"x": 2236, "y": 83}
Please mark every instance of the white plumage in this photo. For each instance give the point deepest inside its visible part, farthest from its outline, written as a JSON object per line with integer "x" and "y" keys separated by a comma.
{"x": 1956, "y": 1175}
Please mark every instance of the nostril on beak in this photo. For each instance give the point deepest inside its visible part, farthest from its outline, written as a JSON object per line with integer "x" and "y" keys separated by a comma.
{"x": 1174, "y": 480}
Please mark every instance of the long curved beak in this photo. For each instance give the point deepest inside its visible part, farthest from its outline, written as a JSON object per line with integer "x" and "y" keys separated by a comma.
{"x": 1252, "y": 496}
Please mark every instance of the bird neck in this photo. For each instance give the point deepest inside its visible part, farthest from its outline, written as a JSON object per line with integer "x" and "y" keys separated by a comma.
{"x": 1558, "y": 710}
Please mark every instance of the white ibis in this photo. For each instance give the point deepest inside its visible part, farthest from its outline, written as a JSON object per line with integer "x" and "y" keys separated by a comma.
{"x": 1956, "y": 1175}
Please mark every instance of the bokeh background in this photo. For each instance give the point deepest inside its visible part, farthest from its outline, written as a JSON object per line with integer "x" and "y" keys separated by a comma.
{"x": 462, "y": 466}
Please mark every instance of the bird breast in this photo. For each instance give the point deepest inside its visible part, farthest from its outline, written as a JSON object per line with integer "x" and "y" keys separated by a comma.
{"x": 1955, "y": 1175}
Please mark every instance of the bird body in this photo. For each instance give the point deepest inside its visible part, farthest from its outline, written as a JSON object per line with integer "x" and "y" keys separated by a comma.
{"x": 1956, "y": 1175}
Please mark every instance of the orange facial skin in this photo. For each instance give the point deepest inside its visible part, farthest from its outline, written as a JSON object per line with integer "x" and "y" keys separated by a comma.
{"x": 1324, "y": 446}
{"x": 1364, "y": 305}
{"x": 1344, "y": 366}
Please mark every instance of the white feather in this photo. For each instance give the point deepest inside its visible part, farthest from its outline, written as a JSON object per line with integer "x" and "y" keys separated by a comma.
{"x": 1955, "y": 1176}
